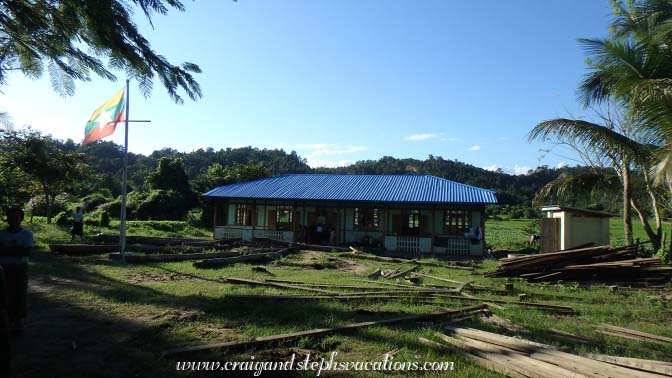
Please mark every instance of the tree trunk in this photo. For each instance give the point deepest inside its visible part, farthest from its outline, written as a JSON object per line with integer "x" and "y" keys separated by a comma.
{"x": 627, "y": 220}
{"x": 654, "y": 237}
{"x": 48, "y": 199}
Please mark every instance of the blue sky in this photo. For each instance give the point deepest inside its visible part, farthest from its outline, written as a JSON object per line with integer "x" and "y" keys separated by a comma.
{"x": 345, "y": 80}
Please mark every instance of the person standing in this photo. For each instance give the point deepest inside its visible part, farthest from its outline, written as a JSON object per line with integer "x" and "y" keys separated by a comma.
{"x": 77, "y": 224}
{"x": 15, "y": 245}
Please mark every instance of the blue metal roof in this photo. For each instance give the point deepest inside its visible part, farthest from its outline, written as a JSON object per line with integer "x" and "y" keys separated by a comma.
{"x": 369, "y": 188}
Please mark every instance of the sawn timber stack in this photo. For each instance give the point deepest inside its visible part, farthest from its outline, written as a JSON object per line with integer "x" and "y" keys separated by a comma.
{"x": 594, "y": 264}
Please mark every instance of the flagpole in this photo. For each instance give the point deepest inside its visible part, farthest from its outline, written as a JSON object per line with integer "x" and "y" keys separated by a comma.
{"x": 122, "y": 230}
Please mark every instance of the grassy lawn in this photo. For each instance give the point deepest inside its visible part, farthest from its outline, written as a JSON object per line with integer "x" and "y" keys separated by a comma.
{"x": 89, "y": 316}
{"x": 514, "y": 234}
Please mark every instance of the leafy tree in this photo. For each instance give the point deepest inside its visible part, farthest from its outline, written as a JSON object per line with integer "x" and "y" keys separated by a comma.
{"x": 169, "y": 175}
{"x": 39, "y": 35}
{"x": 53, "y": 170}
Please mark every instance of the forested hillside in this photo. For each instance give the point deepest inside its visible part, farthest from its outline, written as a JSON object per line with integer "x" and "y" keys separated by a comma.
{"x": 167, "y": 183}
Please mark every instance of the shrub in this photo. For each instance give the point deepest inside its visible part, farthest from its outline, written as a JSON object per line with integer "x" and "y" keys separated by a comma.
{"x": 92, "y": 201}
{"x": 63, "y": 218}
{"x": 163, "y": 204}
{"x": 104, "y": 219}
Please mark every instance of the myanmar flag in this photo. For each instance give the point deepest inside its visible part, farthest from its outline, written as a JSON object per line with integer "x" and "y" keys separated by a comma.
{"x": 104, "y": 120}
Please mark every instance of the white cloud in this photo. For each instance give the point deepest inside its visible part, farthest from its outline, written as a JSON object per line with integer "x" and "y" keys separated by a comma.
{"x": 516, "y": 170}
{"x": 474, "y": 148}
{"x": 313, "y": 146}
{"x": 419, "y": 137}
{"x": 521, "y": 170}
{"x": 314, "y": 163}
{"x": 450, "y": 139}
{"x": 336, "y": 151}
{"x": 314, "y": 153}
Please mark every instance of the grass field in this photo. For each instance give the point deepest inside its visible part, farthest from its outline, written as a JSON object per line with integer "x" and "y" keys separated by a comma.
{"x": 514, "y": 234}
{"x": 89, "y": 316}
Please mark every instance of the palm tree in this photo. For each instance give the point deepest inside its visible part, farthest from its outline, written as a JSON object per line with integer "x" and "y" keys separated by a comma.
{"x": 604, "y": 145}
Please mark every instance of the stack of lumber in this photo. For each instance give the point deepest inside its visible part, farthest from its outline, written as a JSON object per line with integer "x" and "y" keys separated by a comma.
{"x": 515, "y": 357}
{"x": 602, "y": 264}
{"x": 260, "y": 256}
{"x": 146, "y": 244}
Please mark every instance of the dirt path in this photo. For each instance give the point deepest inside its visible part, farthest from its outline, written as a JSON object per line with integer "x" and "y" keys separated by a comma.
{"x": 66, "y": 338}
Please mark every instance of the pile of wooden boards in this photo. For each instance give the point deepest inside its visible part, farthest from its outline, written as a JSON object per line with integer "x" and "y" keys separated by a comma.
{"x": 146, "y": 244}
{"x": 594, "y": 264}
{"x": 516, "y": 357}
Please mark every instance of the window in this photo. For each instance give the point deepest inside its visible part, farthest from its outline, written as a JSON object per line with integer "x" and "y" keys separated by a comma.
{"x": 366, "y": 218}
{"x": 243, "y": 215}
{"x": 283, "y": 217}
{"x": 414, "y": 219}
{"x": 455, "y": 222}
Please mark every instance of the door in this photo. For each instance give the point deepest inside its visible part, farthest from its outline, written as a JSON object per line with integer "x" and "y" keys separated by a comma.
{"x": 550, "y": 235}
{"x": 272, "y": 220}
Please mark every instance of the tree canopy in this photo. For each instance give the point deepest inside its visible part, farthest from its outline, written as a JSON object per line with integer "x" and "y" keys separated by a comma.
{"x": 49, "y": 35}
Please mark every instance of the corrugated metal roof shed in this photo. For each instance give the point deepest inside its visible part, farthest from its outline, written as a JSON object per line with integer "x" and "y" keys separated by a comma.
{"x": 369, "y": 188}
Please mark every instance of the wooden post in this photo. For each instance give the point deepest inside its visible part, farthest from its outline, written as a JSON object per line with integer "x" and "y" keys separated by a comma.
{"x": 214, "y": 219}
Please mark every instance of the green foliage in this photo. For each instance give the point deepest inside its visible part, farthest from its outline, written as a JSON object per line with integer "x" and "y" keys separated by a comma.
{"x": 63, "y": 218}
{"x": 53, "y": 170}
{"x": 104, "y": 219}
{"x": 49, "y": 35}
{"x": 93, "y": 200}
{"x": 163, "y": 204}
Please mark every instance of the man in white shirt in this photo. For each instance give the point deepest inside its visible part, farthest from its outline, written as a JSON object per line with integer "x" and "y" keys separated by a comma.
{"x": 15, "y": 245}
{"x": 77, "y": 224}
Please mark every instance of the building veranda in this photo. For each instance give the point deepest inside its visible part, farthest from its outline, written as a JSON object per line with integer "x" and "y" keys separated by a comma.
{"x": 402, "y": 213}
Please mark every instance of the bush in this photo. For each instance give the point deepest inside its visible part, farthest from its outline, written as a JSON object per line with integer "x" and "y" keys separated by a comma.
{"x": 104, "y": 219}
{"x": 163, "y": 205}
{"x": 63, "y": 218}
{"x": 92, "y": 201}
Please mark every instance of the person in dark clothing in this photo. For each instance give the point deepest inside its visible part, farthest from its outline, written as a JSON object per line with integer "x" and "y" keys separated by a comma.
{"x": 15, "y": 245}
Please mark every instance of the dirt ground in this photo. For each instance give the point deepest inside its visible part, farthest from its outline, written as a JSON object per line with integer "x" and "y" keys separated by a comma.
{"x": 81, "y": 338}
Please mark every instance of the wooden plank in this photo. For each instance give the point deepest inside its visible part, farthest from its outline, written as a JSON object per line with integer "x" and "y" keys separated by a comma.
{"x": 550, "y": 354}
{"x": 493, "y": 365}
{"x": 516, "y": 360}
{"x": 341, "y": 297}
{"x": 136, "y": 259}
{"x": 213, "y": 263}
{"x": 403, "y": 273}
{"x": 652, "y": 366}
{"x": 257, "y": 341}
{"x": 504, "y": 323}
{"x": 543, "y": 306}
{"x": 277, "y": 285}
{"x": 628, "y": 331}
{"x": 403, "y": 261}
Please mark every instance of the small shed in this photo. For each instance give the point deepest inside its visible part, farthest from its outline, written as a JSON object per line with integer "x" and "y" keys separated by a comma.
{"x": 568, "y": 227}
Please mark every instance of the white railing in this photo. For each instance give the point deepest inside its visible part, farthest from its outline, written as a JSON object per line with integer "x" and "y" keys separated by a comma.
{"x": 408, "y": 244}
{"x": 459, "y": 247}
{"x": 226, "y": 233}
{"x": 277, "y": 235}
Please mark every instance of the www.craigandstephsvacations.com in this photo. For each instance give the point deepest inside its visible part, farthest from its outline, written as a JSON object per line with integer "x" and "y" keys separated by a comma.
{"x": 318, "y": 365}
